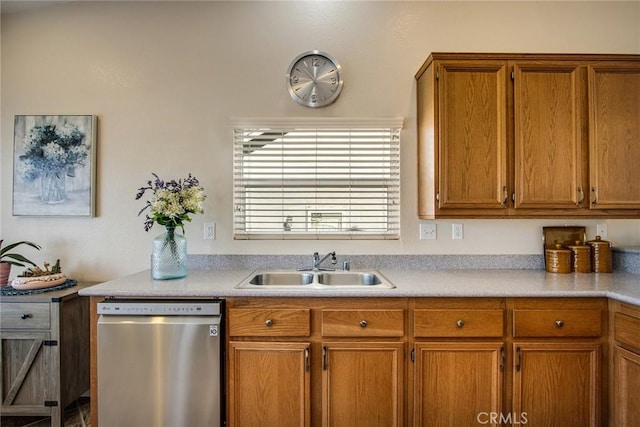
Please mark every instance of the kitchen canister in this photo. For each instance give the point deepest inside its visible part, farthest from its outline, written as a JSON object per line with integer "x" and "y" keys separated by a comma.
{"x": 600, "y": 255}
{"x": 580, "y": 257}
{"x": 558, "y": 259}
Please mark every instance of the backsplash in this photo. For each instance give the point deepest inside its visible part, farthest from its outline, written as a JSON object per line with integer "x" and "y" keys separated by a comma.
{"x": 624, "y": 260}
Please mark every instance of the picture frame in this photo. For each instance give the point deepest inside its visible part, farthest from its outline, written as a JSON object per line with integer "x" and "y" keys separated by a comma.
{"x": 54, "y": 165}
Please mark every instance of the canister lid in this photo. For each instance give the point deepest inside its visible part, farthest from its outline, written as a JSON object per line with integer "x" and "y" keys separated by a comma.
{"x": 579, "y": 246}
{"x": 558, "y": 249}
{"x": 599, "y": 242}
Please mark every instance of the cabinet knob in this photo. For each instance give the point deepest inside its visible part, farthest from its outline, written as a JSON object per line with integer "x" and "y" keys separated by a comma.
{"x": 460, "y": 323}
{"x": 559, "y": 323}
{"x": 25, "y": 316}
{"x": 269, "y": 322}
{"x": 363, "y": 323}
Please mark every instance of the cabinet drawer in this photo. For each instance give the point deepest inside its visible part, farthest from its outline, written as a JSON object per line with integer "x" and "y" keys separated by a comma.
{"x": 557, "y": 323}
{"x": 458, "y": 323}
{"x": 25, "y": 315}
{"x": 248, "y": 322}
{"x": 626, "y": 329}
{"x": 362, "y": 323}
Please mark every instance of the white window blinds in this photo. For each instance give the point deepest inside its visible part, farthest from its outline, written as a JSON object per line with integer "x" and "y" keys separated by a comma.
{"x": 313, "y": 179}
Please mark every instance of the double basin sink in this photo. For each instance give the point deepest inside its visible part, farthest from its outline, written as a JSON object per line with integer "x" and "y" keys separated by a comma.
{"x": 289, "y": 279}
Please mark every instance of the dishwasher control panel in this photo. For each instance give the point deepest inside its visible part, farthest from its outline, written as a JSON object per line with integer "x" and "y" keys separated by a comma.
{"x": 159, "y": 308}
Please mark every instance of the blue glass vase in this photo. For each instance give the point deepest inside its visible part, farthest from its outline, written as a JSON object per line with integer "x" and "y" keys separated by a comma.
{"x": 169, "y": 256}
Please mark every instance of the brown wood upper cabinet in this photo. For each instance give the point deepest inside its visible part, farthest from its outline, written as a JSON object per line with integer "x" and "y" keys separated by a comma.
{"x": 528, "y": 135}
{"x": 614, "y": 134}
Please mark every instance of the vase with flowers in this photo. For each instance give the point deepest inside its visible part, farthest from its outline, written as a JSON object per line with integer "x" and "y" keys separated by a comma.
{"x": 52, "y": 152}
{"x": 171, "y": 204}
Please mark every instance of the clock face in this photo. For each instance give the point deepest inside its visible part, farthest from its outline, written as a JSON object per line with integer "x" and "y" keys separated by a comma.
{"x": 314, "y": 79}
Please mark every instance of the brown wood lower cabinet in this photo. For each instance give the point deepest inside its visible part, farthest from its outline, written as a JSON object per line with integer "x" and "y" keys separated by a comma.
{"x": 626, "y": 388}
{"x": 269, "y": 383}
{"x": 423, "y": 362}
{"x": 557, "y": 384}
{"x": 458, "y": 361}
{"x": 316, "y": 361}
{"x": 458, "y": 383}
{"x": 362, "y": 384}
{"x": 625, "y": 400}
{"x": 558, "y": 347}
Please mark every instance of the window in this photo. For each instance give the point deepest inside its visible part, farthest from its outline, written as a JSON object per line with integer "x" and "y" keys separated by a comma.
{"x": 313, "y": 179}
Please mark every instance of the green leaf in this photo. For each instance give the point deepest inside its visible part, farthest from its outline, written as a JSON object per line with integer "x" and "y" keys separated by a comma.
{"x": 14, "y": 258}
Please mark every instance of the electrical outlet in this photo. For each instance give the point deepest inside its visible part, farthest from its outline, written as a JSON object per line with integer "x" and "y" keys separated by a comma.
{"x": 457, "y": 232}
{"x": 209, "y": 231}
{"x": 428, "y": 231}
{"x": 601, "y": 230}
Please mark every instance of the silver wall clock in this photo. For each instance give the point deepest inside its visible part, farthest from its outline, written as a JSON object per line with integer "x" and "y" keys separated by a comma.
{"x": 314, "y": 79}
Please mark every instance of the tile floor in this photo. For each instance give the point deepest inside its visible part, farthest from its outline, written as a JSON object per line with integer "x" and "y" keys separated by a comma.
{"x": 76, "y": 415}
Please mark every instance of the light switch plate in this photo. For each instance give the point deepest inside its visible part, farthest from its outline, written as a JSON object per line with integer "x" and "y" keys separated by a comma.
{"x": 428, "y": 231}
{"x": 601, "y": 230}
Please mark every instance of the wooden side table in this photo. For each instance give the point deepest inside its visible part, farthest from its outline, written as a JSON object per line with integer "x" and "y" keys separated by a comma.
{"x": 44, "y": 352}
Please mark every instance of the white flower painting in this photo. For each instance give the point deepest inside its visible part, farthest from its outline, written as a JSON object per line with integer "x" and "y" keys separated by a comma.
{"x": 54, "y": 165}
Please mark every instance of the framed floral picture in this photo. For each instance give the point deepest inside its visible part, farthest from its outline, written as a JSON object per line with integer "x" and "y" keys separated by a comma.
{"x": 54, "y": 165}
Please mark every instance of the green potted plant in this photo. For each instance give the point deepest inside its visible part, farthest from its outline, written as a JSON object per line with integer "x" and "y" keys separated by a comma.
{"x": 7, "y": 259}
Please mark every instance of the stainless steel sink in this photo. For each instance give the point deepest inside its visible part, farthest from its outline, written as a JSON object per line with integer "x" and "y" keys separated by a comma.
{"x": 348, "y": 278}
{"x": 289, "y": 279}
{"x": 281, "y": 278}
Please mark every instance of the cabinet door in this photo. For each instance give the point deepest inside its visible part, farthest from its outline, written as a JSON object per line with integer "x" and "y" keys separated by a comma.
{"x": 472, "y": 136}
{"x": 362, "y": 384}
{"x": 614, "y": 95}
{"x": 557, "y": 384}
{"x": 268, "y": 384}
{"x": 548, "y": 114}
{"x": 25, "y": 360}
{"x": 457, "y": 384}
{"x": 626, "y": 380}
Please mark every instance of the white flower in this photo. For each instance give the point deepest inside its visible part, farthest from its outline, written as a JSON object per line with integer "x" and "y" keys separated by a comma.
{"x": 49, "y": 147}
{"x": 66, "y": 130}
{"x": 172, "y": 201}
{"x": 54, "y": 153}
{"x": 192, "y": 199}
{"x": 27, "y": 169}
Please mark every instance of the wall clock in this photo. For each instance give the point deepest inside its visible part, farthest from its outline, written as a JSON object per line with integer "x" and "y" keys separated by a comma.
{"x": 314, "y": 79}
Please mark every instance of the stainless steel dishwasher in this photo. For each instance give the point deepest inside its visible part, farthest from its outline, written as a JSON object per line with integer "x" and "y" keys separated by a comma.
{"x": 160, "y": 363}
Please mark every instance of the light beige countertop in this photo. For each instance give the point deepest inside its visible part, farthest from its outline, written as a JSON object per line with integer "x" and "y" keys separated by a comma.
{"x": 409, "y": 283}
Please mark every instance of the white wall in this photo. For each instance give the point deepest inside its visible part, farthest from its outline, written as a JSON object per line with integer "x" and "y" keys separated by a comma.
{"x": 166, "y": 77}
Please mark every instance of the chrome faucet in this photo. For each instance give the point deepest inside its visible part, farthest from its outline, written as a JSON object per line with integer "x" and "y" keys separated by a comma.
{"x": 317, "y": 261}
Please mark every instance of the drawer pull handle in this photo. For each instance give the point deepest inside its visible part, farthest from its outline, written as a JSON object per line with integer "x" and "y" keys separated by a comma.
{"x": 363, "y": 323}
{"x": 26, "y": 316}
{"x": 460, "y": 323}
{"x": 269, "y": 322}
{"x": 559, "y": 323}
